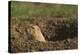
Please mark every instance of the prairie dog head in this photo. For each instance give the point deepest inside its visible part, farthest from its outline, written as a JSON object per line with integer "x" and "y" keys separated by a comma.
{"x": 35, "y": 31}
{"x": 33, "y": 28}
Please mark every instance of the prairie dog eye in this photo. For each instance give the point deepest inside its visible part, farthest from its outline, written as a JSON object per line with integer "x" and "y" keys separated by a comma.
{"x": 32, "y": 27}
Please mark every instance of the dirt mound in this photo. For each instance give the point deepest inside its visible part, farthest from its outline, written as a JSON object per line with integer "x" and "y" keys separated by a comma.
{"x": 60, "y": 33}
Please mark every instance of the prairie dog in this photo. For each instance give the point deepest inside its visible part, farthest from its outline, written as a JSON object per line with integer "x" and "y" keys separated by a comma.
{"x": 35, "y": 31}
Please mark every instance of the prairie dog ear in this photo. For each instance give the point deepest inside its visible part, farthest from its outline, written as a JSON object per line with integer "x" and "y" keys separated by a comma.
{"x": 32, "y": 27}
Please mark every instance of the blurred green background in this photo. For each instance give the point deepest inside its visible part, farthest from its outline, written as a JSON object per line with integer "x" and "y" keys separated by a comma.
{"x": 32, "y": 10}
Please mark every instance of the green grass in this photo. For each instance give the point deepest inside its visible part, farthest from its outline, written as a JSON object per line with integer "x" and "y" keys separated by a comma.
{"x": 24, "y": 9}
{"x": 30, "y": 11}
